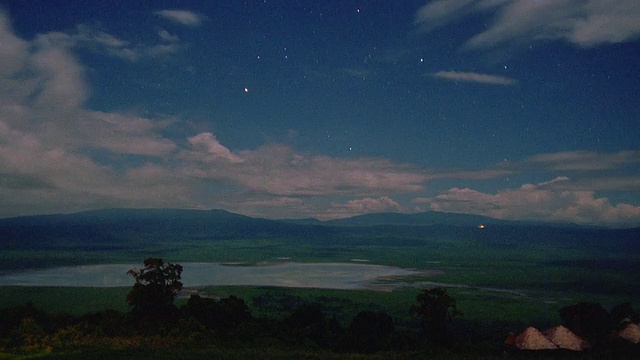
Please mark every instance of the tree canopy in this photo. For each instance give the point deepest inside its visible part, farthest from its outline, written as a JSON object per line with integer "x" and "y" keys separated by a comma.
{"x": 435, "y": 309}
{"x": 156, "y": 286}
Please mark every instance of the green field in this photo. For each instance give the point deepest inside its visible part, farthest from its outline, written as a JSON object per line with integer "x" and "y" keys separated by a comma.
{"x": 521, "y": 280}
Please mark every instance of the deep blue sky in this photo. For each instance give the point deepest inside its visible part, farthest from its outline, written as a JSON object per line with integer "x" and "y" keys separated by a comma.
{"x": 511, "y": 109}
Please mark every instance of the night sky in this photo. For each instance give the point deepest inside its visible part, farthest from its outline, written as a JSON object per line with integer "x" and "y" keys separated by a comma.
{"x": 514, "y": 109}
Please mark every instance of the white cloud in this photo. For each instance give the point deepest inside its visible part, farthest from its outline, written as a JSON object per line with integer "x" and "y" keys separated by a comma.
{"x": 584, "y": 23}
{"x": 45, "y": 133}
{"x": 57, "y": 156}
{"x": 89, "y": 38}
{"x": 474, "y": 77}
{"x": 102, "y": 42}
{"x": 546, "y": 201}
{"x": 182, "y": 17}
{"x": 590, "y": 170}
{"x": 61, "y": 79}
{"x": 586, "y": 160}
{"x": 279, "y": 170}
{"x": 166, "y": 36}
{"x": 439, "y": 12}
{"x": 213, "y": 150}
{"x": 13, "y": 50}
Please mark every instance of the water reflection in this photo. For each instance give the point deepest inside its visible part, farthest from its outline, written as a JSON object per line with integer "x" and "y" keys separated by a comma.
{"x": 289, "y": 274}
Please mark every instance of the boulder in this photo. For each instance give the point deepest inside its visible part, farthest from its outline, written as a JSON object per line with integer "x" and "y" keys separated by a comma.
{"x": 532, "y": 339}
{"x": 565, "y": 339}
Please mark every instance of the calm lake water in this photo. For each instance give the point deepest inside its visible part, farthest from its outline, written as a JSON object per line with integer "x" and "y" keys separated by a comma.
{"x": 288, "y": 274}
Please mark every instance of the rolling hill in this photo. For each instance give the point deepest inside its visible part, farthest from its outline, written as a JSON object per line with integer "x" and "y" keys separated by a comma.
{"x": 91, "y": 229}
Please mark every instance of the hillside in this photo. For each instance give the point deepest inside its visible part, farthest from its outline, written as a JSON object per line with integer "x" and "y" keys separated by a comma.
{"x": 416, "y": 219}
{"x": 90, "y": 228}
{"x": 93, "y": 228}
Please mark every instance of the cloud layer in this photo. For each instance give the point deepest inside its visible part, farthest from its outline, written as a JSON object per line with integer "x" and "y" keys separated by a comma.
{"x": 182, "y": 17}
{"x": 583, "y": 23}
{"x": 59, "y": 155}
{"x": 474, "y": 77}
{"x": 547, "y": 201}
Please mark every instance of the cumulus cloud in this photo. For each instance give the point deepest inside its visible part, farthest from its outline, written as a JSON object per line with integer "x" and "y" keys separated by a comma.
{"x": 13, "y": 50}
{"x": 57, "y": 155}
{"x": 584, "y": 23}
{"x": 47, "y": 137}
{"x": 474, "y": 77}
{"x": 279, "y": 170}
{"x": 182, "y": 17}
{"x": 212, "y": 148}
{"x": 546, "y": 201}
{"x": 61, "y": 79}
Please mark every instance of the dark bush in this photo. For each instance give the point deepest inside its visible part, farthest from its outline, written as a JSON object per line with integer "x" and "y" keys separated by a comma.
{"x": 371, "y": 331}
{"x": 588, "y": 320}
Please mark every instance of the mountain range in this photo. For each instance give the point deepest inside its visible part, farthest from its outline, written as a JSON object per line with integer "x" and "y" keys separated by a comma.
{"x": 94, "y": 227}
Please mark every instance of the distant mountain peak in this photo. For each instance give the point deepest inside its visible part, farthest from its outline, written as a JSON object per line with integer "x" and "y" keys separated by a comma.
{"x": 416, "y": 219}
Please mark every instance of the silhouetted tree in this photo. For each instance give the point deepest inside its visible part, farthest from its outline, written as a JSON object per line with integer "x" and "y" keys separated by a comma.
{"x": 156, "y": 286}
{"x": 588, "y": 320}
{"x": 622, "y": 314}
{"x": 436, "y": 308}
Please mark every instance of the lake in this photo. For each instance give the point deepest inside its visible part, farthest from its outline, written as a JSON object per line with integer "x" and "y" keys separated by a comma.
{"x": 283, "y": 274}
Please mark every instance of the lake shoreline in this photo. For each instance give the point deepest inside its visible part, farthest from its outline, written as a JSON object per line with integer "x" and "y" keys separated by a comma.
{"x": 332, "y": 275}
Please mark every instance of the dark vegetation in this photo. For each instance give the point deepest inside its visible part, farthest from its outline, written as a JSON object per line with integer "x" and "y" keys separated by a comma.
{"x": 211, "y": 326}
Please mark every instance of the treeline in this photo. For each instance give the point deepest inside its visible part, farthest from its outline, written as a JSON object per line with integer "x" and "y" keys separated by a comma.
{"x": 155, "y": 322}
{"x": 155, "y": 326}
{"x": 226, "y": 323}
{"x": 200, "y": 323}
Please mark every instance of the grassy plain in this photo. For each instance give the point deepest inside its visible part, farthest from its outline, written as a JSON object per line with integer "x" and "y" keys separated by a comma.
{"x": 501, "y": 275}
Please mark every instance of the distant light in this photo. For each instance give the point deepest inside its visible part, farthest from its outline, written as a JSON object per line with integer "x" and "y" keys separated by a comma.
{"x": 481, "y": 226}
{"x": 246, "y": 90}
